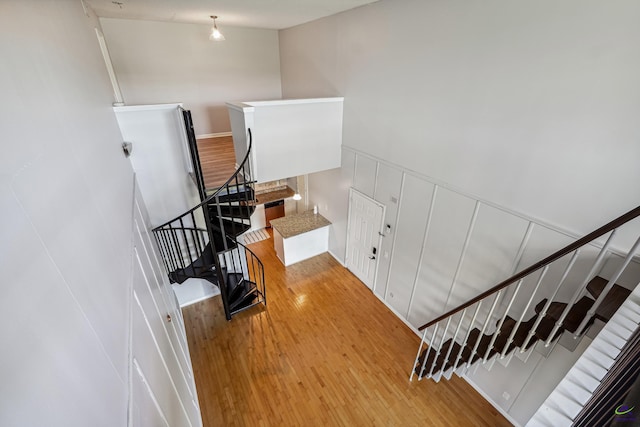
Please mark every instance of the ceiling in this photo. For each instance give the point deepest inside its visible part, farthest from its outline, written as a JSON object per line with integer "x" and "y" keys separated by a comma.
{"x": 271, "y": 14}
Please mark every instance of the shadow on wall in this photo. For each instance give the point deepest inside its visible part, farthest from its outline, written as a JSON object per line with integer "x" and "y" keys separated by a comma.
{"x": 208, "y": 119}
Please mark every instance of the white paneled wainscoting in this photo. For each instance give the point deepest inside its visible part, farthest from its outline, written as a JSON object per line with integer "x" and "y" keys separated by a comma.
{"x": 442, "y": 246}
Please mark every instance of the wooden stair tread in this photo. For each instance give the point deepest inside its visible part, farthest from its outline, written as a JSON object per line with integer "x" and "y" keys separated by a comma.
{"x": 596, "y": 285}
{"x": 614, "y": 299}
{"x": 431, "y": 355}
{"x": 575, "y": 316}
{"x": 571, "y": 323}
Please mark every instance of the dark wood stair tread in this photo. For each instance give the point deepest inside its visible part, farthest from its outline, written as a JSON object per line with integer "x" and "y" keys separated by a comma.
{"x": 575, "y": 316}
{"x": 430, "y": 354}
{"x": 612, "y": 302}
{"x": 572, "y": 321}
{"x": 483, "y": 345}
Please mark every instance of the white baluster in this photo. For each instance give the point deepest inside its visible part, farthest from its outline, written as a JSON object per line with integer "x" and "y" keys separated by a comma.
{"x": 524, "y": 312}
{"x": 415, "y": 363}
{"x": 594, "y": 268}
{"x": 426, "y": 354}
{"x": 543, "y": 313}
{"x": 484, "y": 328}
{"x": 444, "y": 336}
{"x": 466, "y": 337}
{"x": 453, "y": 339}
{"x": 499, "y": 326}
{"x": 607, "y": 288}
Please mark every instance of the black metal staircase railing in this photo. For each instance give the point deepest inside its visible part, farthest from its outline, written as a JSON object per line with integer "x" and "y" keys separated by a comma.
{"x": 505, "y": 318}
{"x": 202, "y": 242}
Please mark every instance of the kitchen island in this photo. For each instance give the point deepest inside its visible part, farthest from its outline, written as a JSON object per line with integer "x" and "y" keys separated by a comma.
{"x": 300, "y": 236}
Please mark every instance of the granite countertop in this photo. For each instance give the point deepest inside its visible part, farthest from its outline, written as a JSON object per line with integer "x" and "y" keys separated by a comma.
{"x": 273, "y": 195}
{"x": 292, "y": 225}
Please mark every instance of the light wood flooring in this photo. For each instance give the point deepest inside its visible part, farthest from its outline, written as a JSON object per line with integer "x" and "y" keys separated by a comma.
{"x": 218, "y": 159}
{"x": 324, "y": 352}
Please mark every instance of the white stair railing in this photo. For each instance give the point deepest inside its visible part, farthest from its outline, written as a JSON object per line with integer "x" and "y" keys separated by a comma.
{"x": 484, "y": 329}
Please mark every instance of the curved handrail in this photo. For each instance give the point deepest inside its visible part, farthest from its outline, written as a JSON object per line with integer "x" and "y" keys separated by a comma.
{"x": 632, "y": 214}
{"x": 211, "y": 197}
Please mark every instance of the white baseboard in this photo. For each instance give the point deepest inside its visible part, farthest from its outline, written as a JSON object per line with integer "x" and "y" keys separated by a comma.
{"x": 393, "y": 310}
{"x": 337, "y": 259}
{"x": 419, "y": 334}
{"x": 471, "y": 383}
{"x": 494, "y": 404}
{"x": 213, "y": 135}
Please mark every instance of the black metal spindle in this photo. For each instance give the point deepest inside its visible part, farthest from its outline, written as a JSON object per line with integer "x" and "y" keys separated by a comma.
{"x": 163, "y": 255}
{"x": 177, "y": 247}
{"x": 196, "y": 242}
{"x": 163, "y": 234}
{"x": 221, "y": 222}
{"x": 186, "y": 241}
{"x": 252, "y": 275}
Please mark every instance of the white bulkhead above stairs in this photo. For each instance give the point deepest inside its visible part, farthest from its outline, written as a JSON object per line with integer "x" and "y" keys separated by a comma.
{"x": 290, "y": 137}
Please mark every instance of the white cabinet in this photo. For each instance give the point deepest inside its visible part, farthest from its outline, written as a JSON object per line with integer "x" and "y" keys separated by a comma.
{"x": 300, "y": 236}
{"x": 291, "y": 250}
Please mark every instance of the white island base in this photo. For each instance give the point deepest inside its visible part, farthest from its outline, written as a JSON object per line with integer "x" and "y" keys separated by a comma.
{"x": 303, "y": 246}
{"x": 299, "y": 237}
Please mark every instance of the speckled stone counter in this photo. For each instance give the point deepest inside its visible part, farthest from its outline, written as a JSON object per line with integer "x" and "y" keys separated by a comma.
{"x": 292, "y": 225}
{"x": 273, "y": 195}
{"x": 300, "y": 236}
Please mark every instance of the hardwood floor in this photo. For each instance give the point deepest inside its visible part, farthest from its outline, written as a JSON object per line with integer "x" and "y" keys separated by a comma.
{"x": 218, "y": 159}
{"x": 324, "y": 352}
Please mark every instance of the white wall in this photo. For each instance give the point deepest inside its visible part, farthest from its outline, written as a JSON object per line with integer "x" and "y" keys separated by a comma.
{"x": 445, "y": 246}
{"x": 160, "y": 62}
{"x": 66, "y": 193}
{"x": 532, "y": 106}
{"x": 289, "y": 137}
{"x": 160, "y": 159}
{"x": 330, "y": 190}
{"x": 476, "y": 121}
{"x": 69, "y": 356}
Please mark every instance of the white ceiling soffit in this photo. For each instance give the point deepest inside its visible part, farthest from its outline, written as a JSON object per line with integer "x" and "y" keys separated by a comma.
{"x": 271, "y": 14}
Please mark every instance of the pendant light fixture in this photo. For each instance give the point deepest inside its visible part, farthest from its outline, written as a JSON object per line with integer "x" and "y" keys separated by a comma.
{"x": 216, "y": 35}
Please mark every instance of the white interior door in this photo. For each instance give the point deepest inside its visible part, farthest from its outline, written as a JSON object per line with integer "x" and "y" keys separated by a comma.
{"x": 363, "y": 237}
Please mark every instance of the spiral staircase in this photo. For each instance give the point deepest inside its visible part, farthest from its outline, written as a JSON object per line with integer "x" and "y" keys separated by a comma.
{"x": 203, "y": 241}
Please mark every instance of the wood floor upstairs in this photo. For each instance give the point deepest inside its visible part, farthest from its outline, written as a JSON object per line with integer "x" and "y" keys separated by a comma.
{"x": 324, "y": 352}
{"x": 218, "y": 159}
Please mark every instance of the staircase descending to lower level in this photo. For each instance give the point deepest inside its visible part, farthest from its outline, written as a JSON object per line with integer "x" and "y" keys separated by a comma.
{"x": 203, "y": 242}
{"x": 586, "y": 396}
{"x": 513, "y": 335}
{"x": 516, "y": 315}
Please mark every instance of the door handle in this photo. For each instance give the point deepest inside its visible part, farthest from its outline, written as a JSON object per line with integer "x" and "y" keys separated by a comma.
{"x": 372, "y": 257}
